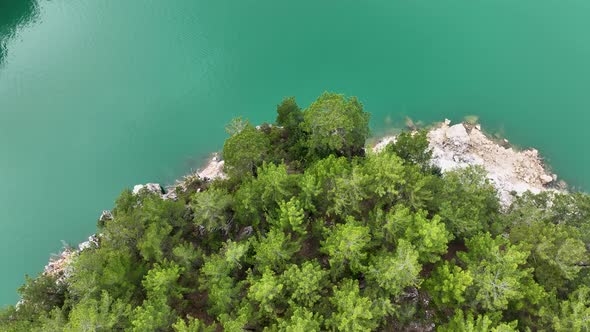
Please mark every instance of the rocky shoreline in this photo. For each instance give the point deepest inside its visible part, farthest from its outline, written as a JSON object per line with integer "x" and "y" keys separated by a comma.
{"x": 453, "y": 147}
{"x": 512, "y": 172}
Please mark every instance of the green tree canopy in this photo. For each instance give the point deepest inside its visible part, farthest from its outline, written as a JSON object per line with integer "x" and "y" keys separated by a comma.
{"x": 335, "y": 124}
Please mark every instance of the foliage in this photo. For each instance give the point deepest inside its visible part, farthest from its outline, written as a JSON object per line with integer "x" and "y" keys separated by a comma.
{"x": 346, "y": 245}
{"x": 335, "y": 124}
{"x": 353, "y": 312}
{"x": 468, "y": 202}
{"x": 392, "y": 272}
{"x": 413, "y": 148}
{"x": 244, "y": 151}
{"x": 310, "y": 233}
{"x": 447, "y": 284}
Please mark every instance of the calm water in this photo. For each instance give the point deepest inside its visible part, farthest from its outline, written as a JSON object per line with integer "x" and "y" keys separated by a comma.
{"x": 96, "y": 96}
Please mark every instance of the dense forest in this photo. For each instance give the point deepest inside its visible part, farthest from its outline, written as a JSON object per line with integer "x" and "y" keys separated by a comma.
{"x": 310, "y": 231}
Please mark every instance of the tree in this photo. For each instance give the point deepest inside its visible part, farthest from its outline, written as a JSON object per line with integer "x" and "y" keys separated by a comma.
{"x": 222, "y": 290}
{"x": 211, "y": 209}
{"x": 429, "y": 236}
{"x": 290, "y": 117}
{"x": 413, "y": 148}
{"x": 392, "y": 272}
{"x": 191, "y": 325}
{"x": 498, "y": 272}
{"x": 335, "y": 124}
{"x": 353, "y": 312}
{"x": 555, "y": 245}
{"x": 481, "y": 323}
{"x": 106, "y": 314}
{"x": 332, "y": 187}
{"x": 382, "y": 175}
{"x": 574, "y": 312}
{"x": 266, "y": 291}
{"x": 304, "y": 283}
{"x": 261, "y": 196}
{"x": 289, "y": 114}
{"x": 274, "y": 250}
{"x": 346, "y": 245}
{"x": 153, "y": 315}
{"x": 291, "y": 217}
{"x": 244, "y": 151}
{"x": 469, "y": 203}
{"x": 302, "y": 320}
{"x": 447, "y": 284}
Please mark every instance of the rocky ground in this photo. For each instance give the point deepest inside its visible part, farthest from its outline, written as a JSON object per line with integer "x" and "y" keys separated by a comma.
{"x": 511, "y": 171}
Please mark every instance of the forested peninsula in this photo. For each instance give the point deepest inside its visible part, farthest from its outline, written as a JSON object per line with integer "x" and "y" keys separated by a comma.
{"x": 303, "y": 226}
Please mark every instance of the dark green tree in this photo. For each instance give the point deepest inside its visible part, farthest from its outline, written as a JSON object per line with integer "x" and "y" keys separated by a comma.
{"x": 244, "y": 151}
{"x": 335, "y": 125}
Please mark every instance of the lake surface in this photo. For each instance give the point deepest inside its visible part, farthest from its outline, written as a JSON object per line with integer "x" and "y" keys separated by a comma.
{"x": 96, "y": 96}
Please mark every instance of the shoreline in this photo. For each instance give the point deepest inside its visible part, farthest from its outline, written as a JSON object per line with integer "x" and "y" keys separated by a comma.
{"x": 511, "y": 171}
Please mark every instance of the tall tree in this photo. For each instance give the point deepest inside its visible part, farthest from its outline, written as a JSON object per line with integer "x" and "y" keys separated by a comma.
{"x": 244, "y": 151}
{"x": 346, "y": 245}
{"x": 335, "y": 124}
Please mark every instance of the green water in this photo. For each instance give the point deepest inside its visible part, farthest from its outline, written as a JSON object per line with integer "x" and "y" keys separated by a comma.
{"x": 96, "y": 96}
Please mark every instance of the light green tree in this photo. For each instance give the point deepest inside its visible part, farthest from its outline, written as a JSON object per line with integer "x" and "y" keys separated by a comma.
{"x": 191, "y": 325}
{"x": 346, "y": 245}
{"x": 261, "y": 196}
{"x": 302, "y": 320}
{"x": 318, "y": 184}
{"x": 392, "y": 272}
{"x": 291, "y": 217}
{"x": 106, "y": 314}
{"x": 304, "y": 283}
{"x": 211, "y": 209}
{"x": 274, "y": 250}
{"x": 574, "y": 313}
{"x": 266, "y": 291}
{"x": 383, "y": 173}
{"x": 470, "y": 323}
{"x": 352, "y": 311}
{"x": 498, "y": 270}
{"x": 413, "y": 148}
{"x": 447, "y": 284}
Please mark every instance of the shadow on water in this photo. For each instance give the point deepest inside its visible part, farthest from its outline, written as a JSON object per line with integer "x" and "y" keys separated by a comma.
{"x": 14, "y": 14}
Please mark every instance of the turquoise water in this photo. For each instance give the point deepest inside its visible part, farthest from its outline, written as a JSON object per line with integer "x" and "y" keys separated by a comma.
{"x": 96, "y": 96}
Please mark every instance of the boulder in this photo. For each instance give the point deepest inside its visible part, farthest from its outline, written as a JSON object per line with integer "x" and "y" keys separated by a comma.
{"x": 458, "y": 135}
{"x": 105, "y": 216}
{"x": 546, "y": 179}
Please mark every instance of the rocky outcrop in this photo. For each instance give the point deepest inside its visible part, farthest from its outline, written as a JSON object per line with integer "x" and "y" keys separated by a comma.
{"x": 509, "y": 170}
{"x": 149, "y": 187}
{"x": 213, "y": 169}
{"x": 105, "y": 216}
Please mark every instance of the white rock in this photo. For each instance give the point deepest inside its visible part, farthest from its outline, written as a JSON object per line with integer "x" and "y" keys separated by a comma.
{"x": 213, "y": 170}
{"x": 457, "y": 134}
{"x": 546, "y": 179}
{"x": 383, "y": 143}
{"x": 508, "y": 170}
{"x": 151, "y": 187}
{"x": 105, "y": 216}
{"x": 447, "y": 122}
